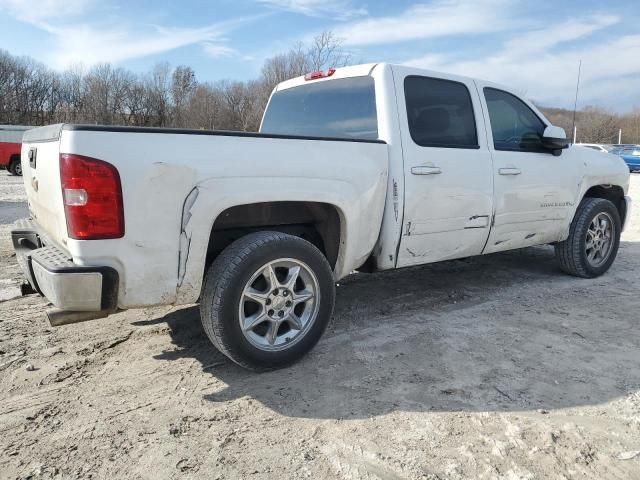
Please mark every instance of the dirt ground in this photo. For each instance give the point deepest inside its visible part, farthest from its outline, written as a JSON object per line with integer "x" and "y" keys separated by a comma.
{"x": 497, "y": 367}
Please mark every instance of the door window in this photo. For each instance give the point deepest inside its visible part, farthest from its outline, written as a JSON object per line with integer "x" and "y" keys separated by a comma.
{"x": 440, "y": 113}
{"x": 515, "y": 127}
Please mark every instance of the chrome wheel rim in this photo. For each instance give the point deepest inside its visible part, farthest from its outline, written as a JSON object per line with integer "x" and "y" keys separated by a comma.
{"x": 18, "y": 169}
{"x": 599, "y": 240}
{"x": 279, "y": 304}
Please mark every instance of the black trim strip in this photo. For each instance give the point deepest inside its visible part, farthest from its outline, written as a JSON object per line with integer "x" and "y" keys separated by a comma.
{"x": 436, "y": 145}
{"x": 224, "y": 133}
{"x": 520, "y": 150}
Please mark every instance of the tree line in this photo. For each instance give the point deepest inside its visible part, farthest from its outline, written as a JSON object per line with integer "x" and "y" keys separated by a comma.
{"x": 33, "y": 94}
{"x": 166, "y": 96}
{"x": 597, "y": 124}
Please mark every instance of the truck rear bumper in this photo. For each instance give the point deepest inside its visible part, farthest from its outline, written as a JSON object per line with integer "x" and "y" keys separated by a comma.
{"x": 52, "y": 273}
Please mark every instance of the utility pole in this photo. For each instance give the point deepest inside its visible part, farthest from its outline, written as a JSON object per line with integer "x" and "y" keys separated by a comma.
{"x": 619, "y": 136}
{"x": 575, "y": 103}
{"x": 575, "y": 132}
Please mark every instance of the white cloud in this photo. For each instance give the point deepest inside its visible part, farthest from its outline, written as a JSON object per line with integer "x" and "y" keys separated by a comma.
{"x": 90, "y": 45}
{"x": 36, "y": 11}
{"x": 218, "y": 50}
{"x": 441, "y": 18}
{"x": 544, "y": 64}
{"x": 339, "y": 9}
{"x": 573, "y": 29}
{"x": 77, "y": 40}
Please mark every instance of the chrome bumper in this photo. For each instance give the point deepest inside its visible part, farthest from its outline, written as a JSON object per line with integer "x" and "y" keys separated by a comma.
{"x": 52, "y": 273}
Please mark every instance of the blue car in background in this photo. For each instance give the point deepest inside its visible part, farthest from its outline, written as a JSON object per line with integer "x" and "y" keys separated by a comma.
{"x": 630, "y": 154}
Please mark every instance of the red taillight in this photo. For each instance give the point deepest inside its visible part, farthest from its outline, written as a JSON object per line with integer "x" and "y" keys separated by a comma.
{"x": 319, "y": 74}
{"x": 92, "y": 198}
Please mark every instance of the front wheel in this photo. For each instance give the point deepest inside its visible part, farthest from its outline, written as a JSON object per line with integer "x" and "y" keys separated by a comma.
{"x": 267, "y": 299}
{"x": 594, "y": 238}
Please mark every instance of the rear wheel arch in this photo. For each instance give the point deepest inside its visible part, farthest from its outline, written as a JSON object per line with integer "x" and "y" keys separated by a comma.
{"x": 320, "y": 223}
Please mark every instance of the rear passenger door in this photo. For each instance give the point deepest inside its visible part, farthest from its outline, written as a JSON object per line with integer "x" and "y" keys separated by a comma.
{"x": 448, "y": 171}
{"x": 534, "y": 190}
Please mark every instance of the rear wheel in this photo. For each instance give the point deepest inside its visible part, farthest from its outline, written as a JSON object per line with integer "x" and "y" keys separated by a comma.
{"x": 267, "y": 299}
{"x": 15, "y": 167}
{"x": 594, "y": 238}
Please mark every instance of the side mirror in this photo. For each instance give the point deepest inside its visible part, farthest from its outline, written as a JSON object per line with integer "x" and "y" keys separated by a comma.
{"x": 554, "y": 139}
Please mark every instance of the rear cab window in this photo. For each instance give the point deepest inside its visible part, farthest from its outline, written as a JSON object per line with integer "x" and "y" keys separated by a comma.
{"x": 336, "y": 108}
{"x": 440, "y": 113}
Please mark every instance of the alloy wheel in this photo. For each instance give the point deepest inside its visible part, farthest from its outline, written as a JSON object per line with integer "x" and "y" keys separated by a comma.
{"x": 599, "y": 240}
{"x": 279, "y": 304}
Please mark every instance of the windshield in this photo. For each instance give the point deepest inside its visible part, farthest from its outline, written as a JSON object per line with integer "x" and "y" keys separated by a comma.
{"x": 341, "y": 108}
{"x": 626, "y": 151}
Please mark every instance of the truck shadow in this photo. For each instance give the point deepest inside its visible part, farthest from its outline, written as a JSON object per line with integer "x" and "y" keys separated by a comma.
{"x": 498, "y": 333}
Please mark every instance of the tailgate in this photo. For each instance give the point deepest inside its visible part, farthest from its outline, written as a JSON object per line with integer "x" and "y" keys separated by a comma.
{"x": 41, "y": 174}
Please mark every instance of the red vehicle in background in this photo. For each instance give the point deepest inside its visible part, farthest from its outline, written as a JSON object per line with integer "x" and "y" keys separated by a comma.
{"x": 10, "y": 145}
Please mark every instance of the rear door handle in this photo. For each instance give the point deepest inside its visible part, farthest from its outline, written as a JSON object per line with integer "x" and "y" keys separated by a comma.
{"x": 425, "y": 170}
{"x": 509, "y": 171}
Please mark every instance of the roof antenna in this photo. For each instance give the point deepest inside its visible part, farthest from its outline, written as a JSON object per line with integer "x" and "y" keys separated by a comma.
{"x": 575, "y": 103}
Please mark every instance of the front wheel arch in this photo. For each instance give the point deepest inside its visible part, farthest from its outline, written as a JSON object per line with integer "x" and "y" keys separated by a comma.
{"x": 613, "y": 193}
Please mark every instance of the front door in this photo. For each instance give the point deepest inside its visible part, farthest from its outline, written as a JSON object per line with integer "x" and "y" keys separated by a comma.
{"x": 448, "y": 169}
{"x": 534, "y": 190}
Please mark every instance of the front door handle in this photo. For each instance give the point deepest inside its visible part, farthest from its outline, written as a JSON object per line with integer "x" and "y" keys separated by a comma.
{"x": 509, "y": 171}
{"x": 425, "y": 170}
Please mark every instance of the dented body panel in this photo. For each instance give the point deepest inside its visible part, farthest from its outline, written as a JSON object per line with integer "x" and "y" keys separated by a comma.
{"x": 175, "y": 185}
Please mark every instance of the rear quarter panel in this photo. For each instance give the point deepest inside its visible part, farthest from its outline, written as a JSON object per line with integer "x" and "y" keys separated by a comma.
{"x": 158, "y": 171}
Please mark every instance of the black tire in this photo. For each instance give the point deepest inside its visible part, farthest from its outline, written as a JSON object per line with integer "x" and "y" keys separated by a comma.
{"x": 15, "y": 167}
{"x": 222, "y": 291}
{"x": 571, "y": 253}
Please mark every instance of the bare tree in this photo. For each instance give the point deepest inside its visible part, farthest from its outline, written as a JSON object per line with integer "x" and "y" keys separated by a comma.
{"x": 326, "y": 51}
{"x": 72, "y": 95}
{"x": 285, "y": 66}
{"x": 240, "y": 98}
{"x": 183, "y": 84}
{"x": 597, "y": 125}
{"x": 106, "y": 93}
{"x": 158, "y": 88}
{"x": 630, "y": 125}
{"x": 206, "y": 108}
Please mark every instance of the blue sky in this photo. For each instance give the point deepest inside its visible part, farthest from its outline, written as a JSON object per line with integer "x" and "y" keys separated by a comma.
{"x": 532, "y": 46}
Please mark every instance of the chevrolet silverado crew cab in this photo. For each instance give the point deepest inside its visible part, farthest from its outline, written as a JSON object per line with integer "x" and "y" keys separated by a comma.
{"x": 371, "y": 167}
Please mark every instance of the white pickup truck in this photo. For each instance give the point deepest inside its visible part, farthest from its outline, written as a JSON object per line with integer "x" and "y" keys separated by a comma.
{"x": 369, "y": 168}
